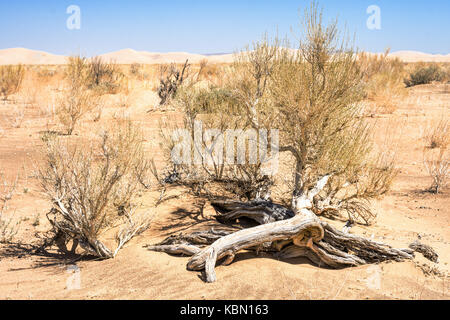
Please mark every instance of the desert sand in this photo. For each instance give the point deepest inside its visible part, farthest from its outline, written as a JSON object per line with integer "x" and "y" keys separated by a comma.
{"x": 130, "y": 56}
{"x": 404, "y": 215}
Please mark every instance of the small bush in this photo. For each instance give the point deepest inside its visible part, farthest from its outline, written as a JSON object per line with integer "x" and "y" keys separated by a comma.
{"x": 74, "y": 104}
{"x": 210, "y": 72}
{"x": 46, "y": 74}
{"x": 424, "y": 75}
{"x": 209, "y": 100}
{"x": 436, "y": 159}
{"x": 16, "y": 119}
{"x": 171, "y": 79}
{"x": 77, "y": 72}
{"x": 94, "y": 74}
{"x": 94, "y": 188}
{"x": 78, "y": 99}
{"x": 438, "y": 135}
{"x": 10, "y": 79}
{"x": 8, "y": 228}
{"x": 103, "y": 76}
{"x": 437, "y": 165}
{"x": 135, "y": 69}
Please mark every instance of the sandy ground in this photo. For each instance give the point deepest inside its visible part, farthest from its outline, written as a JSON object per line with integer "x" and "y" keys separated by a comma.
{"x": 404, "y": 214}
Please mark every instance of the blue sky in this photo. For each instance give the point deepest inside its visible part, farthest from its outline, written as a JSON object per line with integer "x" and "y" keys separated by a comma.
{"x": 200, "y": 26}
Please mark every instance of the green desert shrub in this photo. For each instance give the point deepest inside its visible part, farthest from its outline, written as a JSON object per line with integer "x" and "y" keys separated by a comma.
{"x": 424, "y": 75}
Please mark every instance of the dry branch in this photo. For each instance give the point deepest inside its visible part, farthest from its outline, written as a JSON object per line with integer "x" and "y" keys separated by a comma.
{"x": 299, "y": 235}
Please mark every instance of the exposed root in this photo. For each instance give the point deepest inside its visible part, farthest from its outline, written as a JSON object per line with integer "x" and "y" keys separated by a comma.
{"x": 300, "y": 236}
{"x": 283, "y": 233}
{"x": 427, "y": 251}
{"x": 260, "y": 211}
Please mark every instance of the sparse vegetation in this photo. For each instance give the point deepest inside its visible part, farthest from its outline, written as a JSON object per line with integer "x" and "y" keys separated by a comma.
{"x": 437, "y": 165}
{"x": 8, "y": 227}
{"x": 77, "y": 72}
{"x": 424, "y": 74}
{"x": 16, "y": 119}
{"x": 312, "y": 97}
{"x": 103, "y": 76}
{"x": 10, "y": 79}
{"x": 216, "y": 109}
{"x": 135, "y": 69}
{"x": 94, "y": 188}
{"x": 77, "y": 100}
{"x": 321, "y": 99}
{"x": 73, "y": 105}
{"x": 436, "y": 160}
{"x": 438, "y": 134}
{"x": 383, "y": 80}
{"x": 171, "y": 78}
{"x": 94, "y": 74}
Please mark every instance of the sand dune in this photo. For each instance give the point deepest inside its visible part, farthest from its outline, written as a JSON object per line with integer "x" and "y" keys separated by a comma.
{"x": 416, "y": 56}
{"x": 27, "y": 56}
{"x": 129, "y": 56}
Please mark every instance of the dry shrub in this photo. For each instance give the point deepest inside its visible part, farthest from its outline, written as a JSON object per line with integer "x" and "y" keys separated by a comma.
{"x": 383, "y": 79}
{"x": 16, "y": 118}
{"x": 77, "y": 99}
{"x": 77, "y": 72}
{"x": 104, "y": 77}
{"x": 94, "y": 74}
{"x": 437, "y": 164}
{"x": 446, "y": 73}
{"x": 438, "y": 134}
{"x": 210, "y": 72}
{"x": 136, "y": 70}
{"x": 94, "y": 187}
{"x": 46, "y": 74}
{"x": 425, "y": 73}
{"x": 436, "y": 159}
{"x": 8, "y": 227}
{"x": 171, "y": 78}
{"x": 73, "y": 105}
{"x": 311, "y": 96}
{"x": 10, "y": 79}
{"x": 214, "y": 108}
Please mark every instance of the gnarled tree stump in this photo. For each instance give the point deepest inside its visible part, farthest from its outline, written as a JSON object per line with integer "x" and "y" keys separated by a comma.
{"x": 286, "y": 233}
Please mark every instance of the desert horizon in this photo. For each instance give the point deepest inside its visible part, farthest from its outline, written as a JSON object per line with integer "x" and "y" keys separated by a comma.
{"x": 14, "y": 56}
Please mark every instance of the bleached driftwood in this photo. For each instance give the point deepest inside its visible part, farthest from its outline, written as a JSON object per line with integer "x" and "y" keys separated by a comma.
{"x": 288, "y": 234}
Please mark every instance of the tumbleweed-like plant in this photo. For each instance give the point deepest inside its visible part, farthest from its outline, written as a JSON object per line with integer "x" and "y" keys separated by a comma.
{"x": 93, "y": 188}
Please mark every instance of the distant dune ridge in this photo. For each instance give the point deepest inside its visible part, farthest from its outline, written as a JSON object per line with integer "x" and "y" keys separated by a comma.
{"x": 129, "y": 56}
{"x": 26, "y": 56}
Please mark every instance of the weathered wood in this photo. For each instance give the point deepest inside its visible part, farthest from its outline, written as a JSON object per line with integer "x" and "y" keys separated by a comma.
{"x": 282, "y": 232}
{"x": 427, "y": 251}
{"x": 179, "y": 249}
{"x": 368, "y": 250}
{"x": 302, "y": 227}
{"x": 260, "y": 211}
{"x": 293, "y": 251}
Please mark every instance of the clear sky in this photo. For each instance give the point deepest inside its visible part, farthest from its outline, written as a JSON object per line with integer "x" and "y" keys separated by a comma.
{"x": 200, "y": 26}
